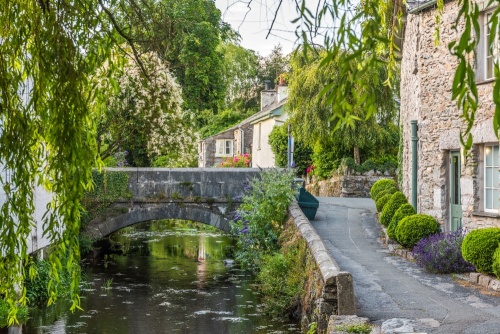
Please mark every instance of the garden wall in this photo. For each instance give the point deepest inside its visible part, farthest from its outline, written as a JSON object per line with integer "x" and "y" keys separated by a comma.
{"x": 328, "y": 291}
{"x": 345, "y": 185}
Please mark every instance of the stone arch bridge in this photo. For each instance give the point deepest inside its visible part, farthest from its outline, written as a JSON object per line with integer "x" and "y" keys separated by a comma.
{"x": 205, "y": 195}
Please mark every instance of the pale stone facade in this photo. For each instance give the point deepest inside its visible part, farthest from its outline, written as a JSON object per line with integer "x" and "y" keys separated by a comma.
{"x": 426, "y": 82}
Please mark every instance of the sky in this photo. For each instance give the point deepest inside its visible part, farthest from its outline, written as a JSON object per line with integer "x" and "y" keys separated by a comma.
{"x": 253, "y": 23}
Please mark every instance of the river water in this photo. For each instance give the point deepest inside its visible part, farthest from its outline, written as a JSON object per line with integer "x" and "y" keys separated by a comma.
{"x": 165, "y": 277}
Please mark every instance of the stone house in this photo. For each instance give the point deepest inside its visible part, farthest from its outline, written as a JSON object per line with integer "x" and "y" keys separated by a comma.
{"x": 456, "y": 188}
{"x": 249, "y": 136}
{"x": 228, "y": 143}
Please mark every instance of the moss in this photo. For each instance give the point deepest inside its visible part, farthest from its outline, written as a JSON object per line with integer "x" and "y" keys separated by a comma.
{"x": 176, "y": 196}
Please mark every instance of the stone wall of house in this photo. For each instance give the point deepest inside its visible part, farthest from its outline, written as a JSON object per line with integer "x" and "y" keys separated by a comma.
{"x": 345, "y": 185}
{"x": 235, "y": 134}
{"x": 426, "y": 83}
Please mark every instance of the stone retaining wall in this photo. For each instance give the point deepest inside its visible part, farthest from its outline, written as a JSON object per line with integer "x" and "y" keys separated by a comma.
{"x": 332, "y": 291}
{"x": 346, "y": 185}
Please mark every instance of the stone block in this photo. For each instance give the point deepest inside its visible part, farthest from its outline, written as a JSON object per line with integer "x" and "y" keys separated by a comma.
{"x": 474, "y": 277}
{"x": 345, "y": 288}
{"x": 484, "y": 280}
{"x": 494, "y": 285}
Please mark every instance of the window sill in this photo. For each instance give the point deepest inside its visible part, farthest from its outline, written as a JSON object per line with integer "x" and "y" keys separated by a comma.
{"x": 484, "y": 82}
{"x": 486, "y": 214}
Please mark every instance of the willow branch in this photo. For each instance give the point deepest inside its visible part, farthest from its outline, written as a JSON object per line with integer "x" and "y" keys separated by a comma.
{"x": 126, "y": 37}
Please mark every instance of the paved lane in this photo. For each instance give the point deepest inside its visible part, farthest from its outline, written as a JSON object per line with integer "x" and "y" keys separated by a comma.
{"x": 388, "y": 287}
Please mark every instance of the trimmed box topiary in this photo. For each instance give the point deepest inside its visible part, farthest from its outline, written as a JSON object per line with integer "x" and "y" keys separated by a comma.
{"x": 397, "y": 199}
{"x": 382, "y": 201}
{"x": 496, "y": 262}
{"x": 404, "y": 210}
{"x": 479, "y": 246}
{"x": 415, "y": 227}
{"x": 380, "y": 185}
{"x": 389, "y": 190}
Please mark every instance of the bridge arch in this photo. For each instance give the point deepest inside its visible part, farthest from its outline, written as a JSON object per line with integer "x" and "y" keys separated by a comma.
{"x": 214, "y": 215}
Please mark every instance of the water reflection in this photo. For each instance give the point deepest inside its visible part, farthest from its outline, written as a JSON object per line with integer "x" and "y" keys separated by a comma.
{"x": 169, "y": 277}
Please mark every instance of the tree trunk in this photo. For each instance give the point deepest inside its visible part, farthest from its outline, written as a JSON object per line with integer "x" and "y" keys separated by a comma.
{"x": 357, "y": 159}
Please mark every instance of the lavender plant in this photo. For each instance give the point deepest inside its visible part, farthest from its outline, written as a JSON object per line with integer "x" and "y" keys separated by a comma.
{"x": 442, "y": 253}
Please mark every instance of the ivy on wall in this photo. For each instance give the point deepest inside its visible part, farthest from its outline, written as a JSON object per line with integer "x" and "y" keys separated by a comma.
{"x": 108, "y": 187}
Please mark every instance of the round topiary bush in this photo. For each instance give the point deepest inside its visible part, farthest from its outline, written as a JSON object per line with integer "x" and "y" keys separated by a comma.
{"x": 413, "y": 228}
{"x": 382, "y": 201}
{"x": 379, "y": 185}
{"x": 479, "y": 246}
{"x": 389, "y": 190}
{"x": 404, "y": 210}
{"x": 397, "y": 199}
{"x": 496, "y": 262}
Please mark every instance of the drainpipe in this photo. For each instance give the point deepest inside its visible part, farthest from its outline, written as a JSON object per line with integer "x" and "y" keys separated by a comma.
{"x": 414, "y": 163}
{"x": 242, "y": 141}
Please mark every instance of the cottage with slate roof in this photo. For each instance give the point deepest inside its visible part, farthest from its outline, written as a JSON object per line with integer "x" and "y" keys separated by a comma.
{"x": 249, "y": 136}
{"x": 458, "y": 190}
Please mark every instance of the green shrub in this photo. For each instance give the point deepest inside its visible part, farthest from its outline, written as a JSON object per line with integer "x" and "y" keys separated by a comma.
{"x": 21, "y": 316}
{"x": 381, "y": 184}
{"x": 496, "y": 262}
{"x": 413, "y": 228}
{"x": 479, "y": 246}
{"x": 397, "y": 199}
{"x": 382, "y": 201}
{"x": 387, "y": 190}
{"x": 403, "y": 211}
{"x": 281, "y": 279}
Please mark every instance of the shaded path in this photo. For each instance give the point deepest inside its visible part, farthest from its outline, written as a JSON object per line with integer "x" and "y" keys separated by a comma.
{"x": 388, "y": 287}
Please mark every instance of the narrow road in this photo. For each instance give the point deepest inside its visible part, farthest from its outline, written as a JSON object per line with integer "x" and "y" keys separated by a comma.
{"x": 391, "y": 291}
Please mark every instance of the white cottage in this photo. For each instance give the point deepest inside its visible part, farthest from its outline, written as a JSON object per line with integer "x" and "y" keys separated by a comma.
{"x": 273, "y": 113}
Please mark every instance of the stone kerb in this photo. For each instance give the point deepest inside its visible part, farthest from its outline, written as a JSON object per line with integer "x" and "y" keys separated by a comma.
{"x": 338, "y": 290}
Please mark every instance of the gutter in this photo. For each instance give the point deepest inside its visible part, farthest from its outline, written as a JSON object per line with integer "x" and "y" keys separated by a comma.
{"x": 422, "y": 7}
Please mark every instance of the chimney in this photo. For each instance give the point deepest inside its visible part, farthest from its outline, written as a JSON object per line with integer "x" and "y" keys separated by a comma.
{"x": 268, "y": 84}
{"x": 267, "y": 96}
{"x": 282, "y": 92}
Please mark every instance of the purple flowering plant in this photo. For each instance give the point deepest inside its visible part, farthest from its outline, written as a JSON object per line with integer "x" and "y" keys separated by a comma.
{"x": 257, "y": 223}
{"x": 441, "y": 253}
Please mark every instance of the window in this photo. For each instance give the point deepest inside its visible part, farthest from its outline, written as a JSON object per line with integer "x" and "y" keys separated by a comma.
{"x": 487, "y": 56}
{"x": 491, "y": 178}
{"x": 224, "y": 148}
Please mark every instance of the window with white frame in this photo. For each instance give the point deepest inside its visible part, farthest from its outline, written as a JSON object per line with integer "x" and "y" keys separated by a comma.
{"x": 491, "y": 178}
{"x": 487, "y": 55}
{"x": 224, "y": 148}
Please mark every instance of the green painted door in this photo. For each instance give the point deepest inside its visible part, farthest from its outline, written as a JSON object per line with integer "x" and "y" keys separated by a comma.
{"x": 455, "y": 198}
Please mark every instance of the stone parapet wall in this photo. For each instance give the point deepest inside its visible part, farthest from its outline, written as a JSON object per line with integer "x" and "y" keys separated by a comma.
{"x": 330, "y": 290}
{"x": 348, "y": 185}
{"x": 221, "y": 184}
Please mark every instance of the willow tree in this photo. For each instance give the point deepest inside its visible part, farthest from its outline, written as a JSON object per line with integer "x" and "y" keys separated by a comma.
{"x": 369, "y": 32}
{"x": 345, "y": 129}
{"x": 49, "y": 53}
